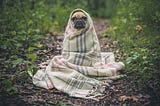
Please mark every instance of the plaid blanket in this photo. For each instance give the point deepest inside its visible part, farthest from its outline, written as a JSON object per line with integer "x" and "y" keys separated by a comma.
{"x": 82, "y": 69}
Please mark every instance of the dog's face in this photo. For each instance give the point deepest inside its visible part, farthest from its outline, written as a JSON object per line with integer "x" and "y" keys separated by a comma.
{"x": 79, "y": 20}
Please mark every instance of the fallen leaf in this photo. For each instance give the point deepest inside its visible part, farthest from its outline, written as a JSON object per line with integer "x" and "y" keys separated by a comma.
{"x": 131, "y": 98}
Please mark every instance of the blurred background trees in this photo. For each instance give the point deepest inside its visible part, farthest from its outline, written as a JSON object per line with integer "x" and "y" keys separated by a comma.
{"x": 134, "y": 23}
{"x": 23, "y": 24}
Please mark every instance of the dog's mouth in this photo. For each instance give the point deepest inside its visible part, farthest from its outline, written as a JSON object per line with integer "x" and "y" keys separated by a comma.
{"x": 79, "y": 25}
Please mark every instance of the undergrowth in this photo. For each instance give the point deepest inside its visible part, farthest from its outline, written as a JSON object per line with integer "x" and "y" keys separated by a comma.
{"x": 136, "y": 28}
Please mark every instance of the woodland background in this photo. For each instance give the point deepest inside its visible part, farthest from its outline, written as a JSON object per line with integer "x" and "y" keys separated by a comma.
{"x": 134, "y": 24}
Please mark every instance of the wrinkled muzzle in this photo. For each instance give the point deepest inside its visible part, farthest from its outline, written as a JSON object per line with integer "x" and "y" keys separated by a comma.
{"x": 79, "y": 24}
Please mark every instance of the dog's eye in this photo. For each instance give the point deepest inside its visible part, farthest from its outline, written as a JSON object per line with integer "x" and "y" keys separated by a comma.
{"x": 73, "y": 18}
{"x": 84, "y": 18}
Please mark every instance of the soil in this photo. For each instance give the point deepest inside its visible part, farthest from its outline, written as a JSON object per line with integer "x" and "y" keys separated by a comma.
{"x": 122, "y": 92}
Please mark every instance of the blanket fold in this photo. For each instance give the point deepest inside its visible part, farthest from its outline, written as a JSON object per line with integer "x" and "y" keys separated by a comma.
{"x": 81, "y": 69}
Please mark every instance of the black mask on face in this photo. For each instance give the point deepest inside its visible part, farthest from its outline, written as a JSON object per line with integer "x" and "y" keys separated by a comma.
{"x": 79, "y": 23}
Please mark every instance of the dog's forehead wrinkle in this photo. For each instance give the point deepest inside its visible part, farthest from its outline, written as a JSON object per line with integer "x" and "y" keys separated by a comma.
{"x": 78, "y": 14}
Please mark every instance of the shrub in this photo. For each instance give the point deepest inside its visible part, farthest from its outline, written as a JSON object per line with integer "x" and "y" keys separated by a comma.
{"x": 136, "y": 26}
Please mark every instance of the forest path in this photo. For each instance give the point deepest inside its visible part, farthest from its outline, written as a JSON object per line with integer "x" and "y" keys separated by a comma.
{"x": 123, "y": 91}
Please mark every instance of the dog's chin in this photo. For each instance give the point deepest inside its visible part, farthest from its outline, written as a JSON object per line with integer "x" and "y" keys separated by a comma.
{"x": 79, "y": 27}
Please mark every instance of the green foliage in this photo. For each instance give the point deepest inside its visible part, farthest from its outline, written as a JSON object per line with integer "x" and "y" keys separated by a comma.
{"x": 102, "y": 8}
{"x": 31, "y": 56}
{"x": 8, "y": 87}
{"x": 144, "y": 63}
{"x": 32, "y": 70}
{"x": 136, "y": 27}
{"x": 16, "y": 62}
{"x": 19, "y": 32}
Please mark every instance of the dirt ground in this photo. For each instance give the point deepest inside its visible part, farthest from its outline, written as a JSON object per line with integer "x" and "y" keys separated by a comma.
{"x": 122, "y": 92}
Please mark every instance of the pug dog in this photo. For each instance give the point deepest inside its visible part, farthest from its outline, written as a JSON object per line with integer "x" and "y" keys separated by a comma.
{"x": 79, "y": 20}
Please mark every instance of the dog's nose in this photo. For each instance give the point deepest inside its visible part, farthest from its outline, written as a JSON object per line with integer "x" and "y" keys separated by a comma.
{"x": 79, "y": 24}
